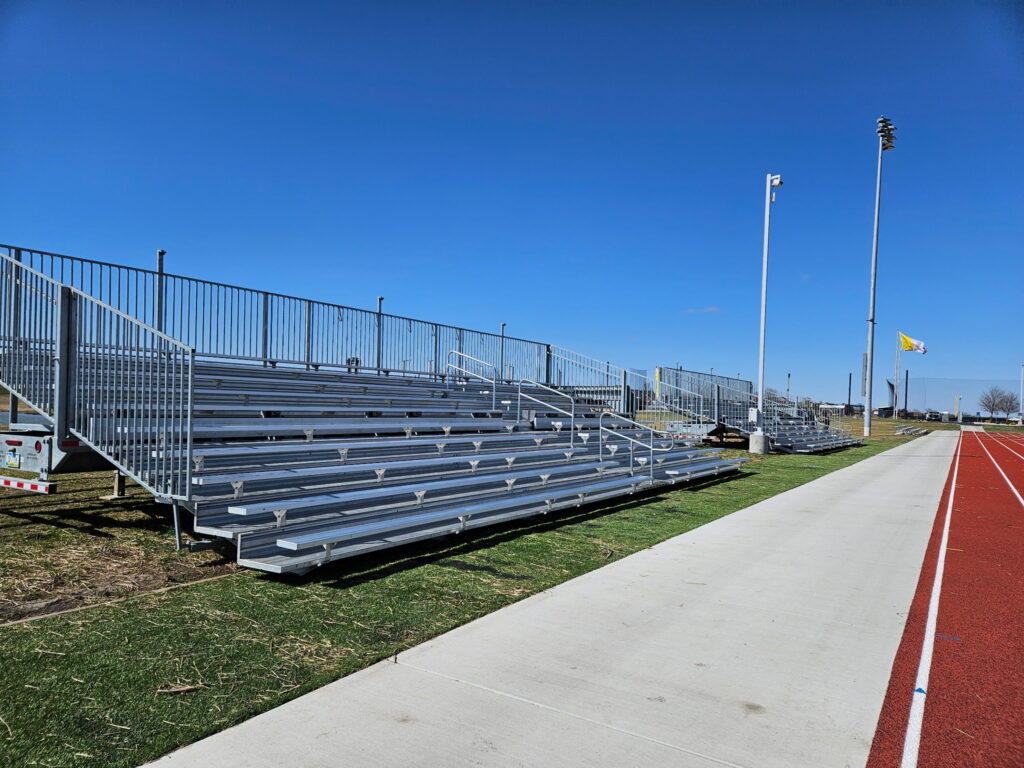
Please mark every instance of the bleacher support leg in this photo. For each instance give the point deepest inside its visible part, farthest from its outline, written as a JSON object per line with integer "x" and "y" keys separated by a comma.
{"x": 119, "y": 490}
{"x": 176, "y": 512}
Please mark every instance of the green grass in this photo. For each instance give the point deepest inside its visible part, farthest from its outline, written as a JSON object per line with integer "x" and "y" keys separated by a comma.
{"x": 1009, "y": 428}
{"x": 97, "y": 687}
{"x": 887, "y": 427}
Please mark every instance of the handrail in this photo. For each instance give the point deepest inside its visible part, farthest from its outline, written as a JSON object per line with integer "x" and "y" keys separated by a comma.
{"x": 213, "y": 283}
{"x": 93, "y": 300}
{"x": 571, "y": 414}
{"x": 638, "y": 391}
{"x": 221, "y": 319}
{"x": 68, "y": 347}
{"x": 620, "y": 417}
{"x": 493, "y": 382}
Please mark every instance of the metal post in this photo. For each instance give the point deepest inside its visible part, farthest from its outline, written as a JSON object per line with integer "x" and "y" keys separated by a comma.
{"x": 119, "y": 488}
{"x": 885, "y": 141}
{"x": 437, "y": 349}
{"x": 176, "y": 513}
{"x": 309, "y": 334}
{"x": 67, "y": 327}
{"x": 15, "y": 327}
{"x": 896, "y": 378}
{"x": 771, "y": 180}
{"x": 849, "y": 389}
{"x": 871, "y": 304}
{"x": 789, "y": 377}
{"x": 547, "y": 364}
{"x": 906, "y": 391}
{"x": 1020, "y": 405}
{"x": 160, "y": 289}
{"x": 265, "y": 334}
{"x": 501, "y": 354}
{"x": 380, "y": 342}
{"x": 625, "y": 396}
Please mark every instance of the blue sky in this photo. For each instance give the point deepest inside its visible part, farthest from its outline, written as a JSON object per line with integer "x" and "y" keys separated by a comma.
{"x": 591, "y": 173}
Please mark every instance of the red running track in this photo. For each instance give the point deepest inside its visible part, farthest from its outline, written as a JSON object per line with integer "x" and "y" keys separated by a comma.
{"x": 973, "y": 714}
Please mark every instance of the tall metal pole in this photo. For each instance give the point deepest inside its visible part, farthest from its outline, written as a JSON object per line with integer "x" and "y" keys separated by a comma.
{"x": 770, "y": 180}
{"x": 1020, "y": 405}
{"x": 871, "y": 304}
{"x": 896, "y": 378}
{"x": 885, "y": 141}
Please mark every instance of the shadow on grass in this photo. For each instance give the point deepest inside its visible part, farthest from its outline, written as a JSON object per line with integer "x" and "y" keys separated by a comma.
{"x": 91, "y": 516}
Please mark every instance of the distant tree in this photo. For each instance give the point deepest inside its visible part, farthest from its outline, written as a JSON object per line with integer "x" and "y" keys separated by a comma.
{"x": 1010, "y": 404}
{"x": 992, "y": 400}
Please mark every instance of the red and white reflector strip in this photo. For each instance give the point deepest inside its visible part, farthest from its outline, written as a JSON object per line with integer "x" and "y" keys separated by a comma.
{"x": 20, "y": 484}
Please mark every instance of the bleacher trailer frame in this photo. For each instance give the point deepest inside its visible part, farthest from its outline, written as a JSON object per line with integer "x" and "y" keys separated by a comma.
{"x": 304, "y": 431}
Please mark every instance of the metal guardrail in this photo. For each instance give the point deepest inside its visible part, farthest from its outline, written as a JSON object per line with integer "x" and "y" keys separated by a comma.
{"x": 624, "y": 391}
{"x": 699, "y": 382}
{"x": 570, "y": 413}
{"x": 469, "y": 373}
{"x": 632, "y": 440}
{"x": 28, "y": 315}
{"x": 733, "y": 402}
{"x": 100, "y": 375}
{"x": 227, "y": 321}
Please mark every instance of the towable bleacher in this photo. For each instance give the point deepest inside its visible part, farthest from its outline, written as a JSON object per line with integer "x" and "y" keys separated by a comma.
{"x": 731, "y": 405}
{"x": 304, "y": 432}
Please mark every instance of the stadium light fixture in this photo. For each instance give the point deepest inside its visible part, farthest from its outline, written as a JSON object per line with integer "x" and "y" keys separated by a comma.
{"x": 886, "y": 140}
{"x": 772, "y": 182}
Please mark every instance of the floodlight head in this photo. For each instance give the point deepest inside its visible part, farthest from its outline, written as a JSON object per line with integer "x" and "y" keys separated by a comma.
{"x": 776, "y": 180}
{"x": 886, "y": 133}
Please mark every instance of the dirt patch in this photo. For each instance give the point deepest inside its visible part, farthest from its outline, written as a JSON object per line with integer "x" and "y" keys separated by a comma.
{"x": 72, "y": 549}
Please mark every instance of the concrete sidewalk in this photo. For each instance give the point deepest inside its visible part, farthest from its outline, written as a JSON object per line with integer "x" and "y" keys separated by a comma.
{"x": 763, "y": 639}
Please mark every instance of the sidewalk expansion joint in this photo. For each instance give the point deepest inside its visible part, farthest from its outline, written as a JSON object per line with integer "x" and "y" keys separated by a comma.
{"x": 574, "y": 715}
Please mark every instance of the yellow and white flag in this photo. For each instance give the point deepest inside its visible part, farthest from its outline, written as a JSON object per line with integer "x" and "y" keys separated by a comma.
{"x": 912, "y": 345}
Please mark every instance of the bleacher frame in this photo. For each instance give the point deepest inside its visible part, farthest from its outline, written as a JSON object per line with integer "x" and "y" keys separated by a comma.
{"x": 289, "y": 426}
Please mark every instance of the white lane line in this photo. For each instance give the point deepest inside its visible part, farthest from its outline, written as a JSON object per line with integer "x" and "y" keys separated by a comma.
{"x": 1000, "y": 470}
{"x": 1007, "y": 446}
{"x": 912, "y": 741}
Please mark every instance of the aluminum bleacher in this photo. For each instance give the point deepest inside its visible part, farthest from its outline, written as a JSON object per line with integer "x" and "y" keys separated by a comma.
{"x": 304, "y": 432}
{"x": 731, "y": 404}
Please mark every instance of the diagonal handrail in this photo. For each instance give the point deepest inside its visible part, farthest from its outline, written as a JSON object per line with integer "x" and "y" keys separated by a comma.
{"x": 63, "y": 351}
{"x": 632, "y": 440}
{"x": 450, "y": 366}
{"x": 570, "y": 413}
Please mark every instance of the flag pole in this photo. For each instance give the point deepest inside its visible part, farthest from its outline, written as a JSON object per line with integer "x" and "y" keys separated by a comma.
{"x": 896, "y": 379}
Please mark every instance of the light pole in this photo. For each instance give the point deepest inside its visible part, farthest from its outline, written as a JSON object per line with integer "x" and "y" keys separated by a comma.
{"x": 886, "y": 139}
{"x": 758, "y": 442}
{"x": 1020, "y": 403}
